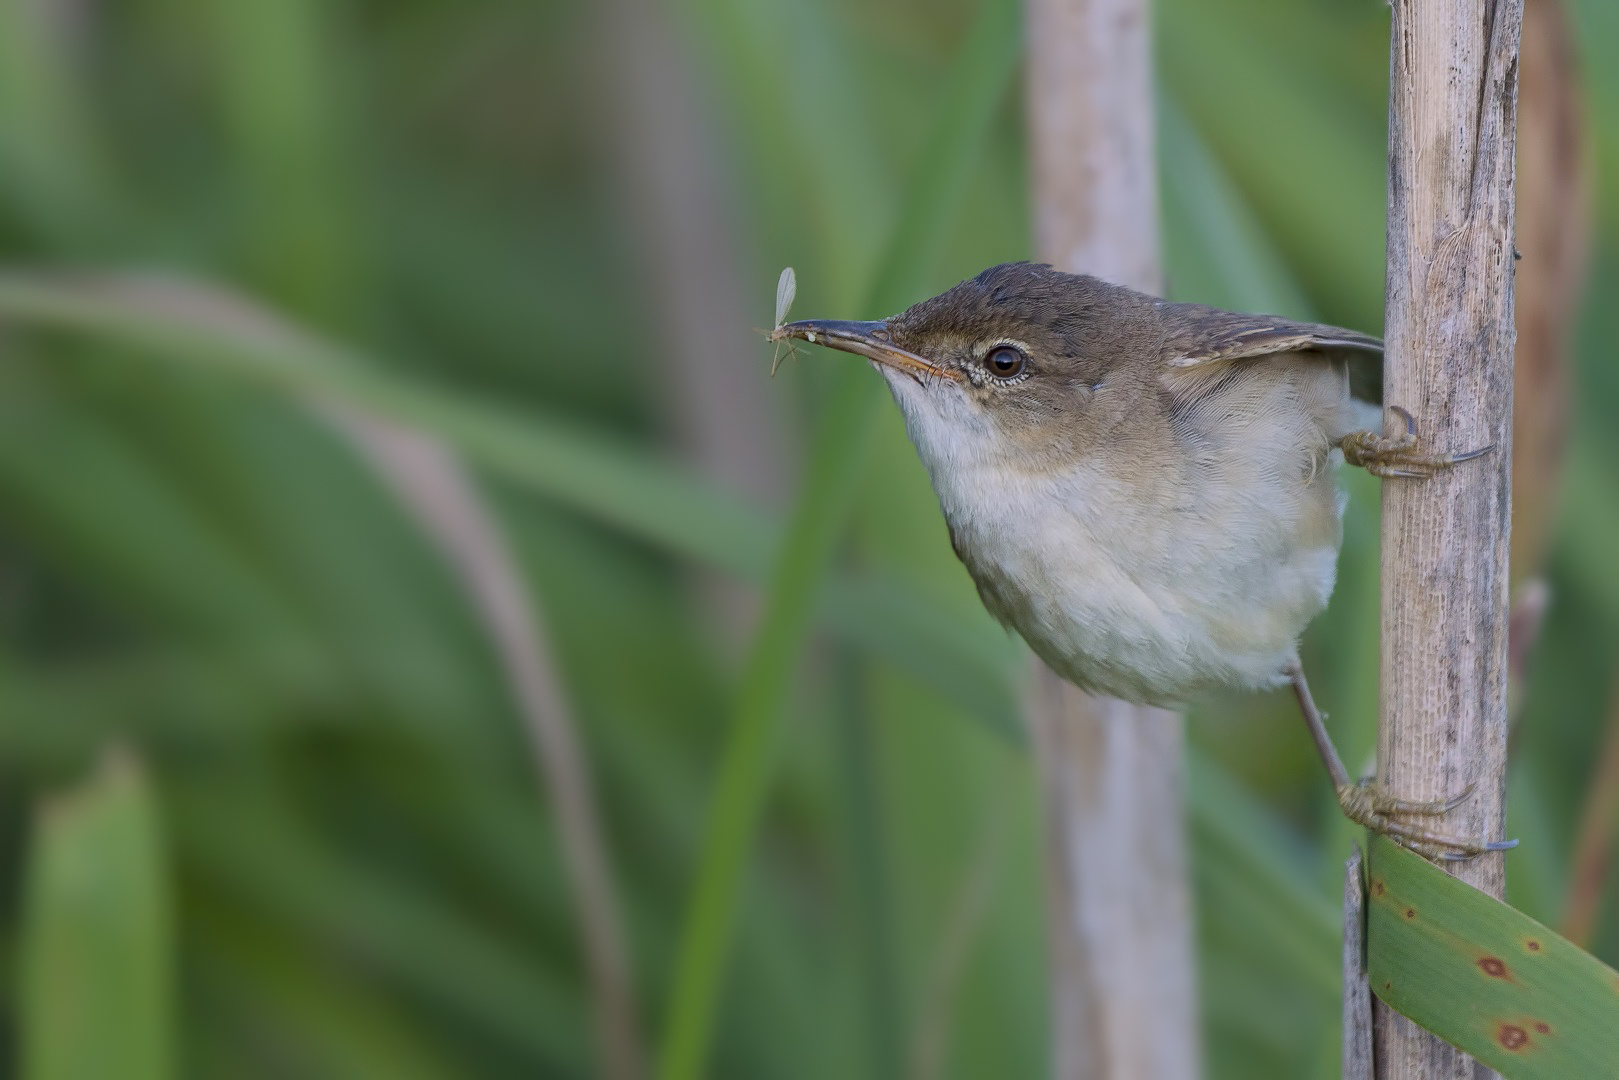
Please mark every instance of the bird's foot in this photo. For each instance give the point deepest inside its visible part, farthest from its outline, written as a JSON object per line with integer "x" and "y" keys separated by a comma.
{"x": 1397, "y": 455}
{"x": 1367, "y": 804}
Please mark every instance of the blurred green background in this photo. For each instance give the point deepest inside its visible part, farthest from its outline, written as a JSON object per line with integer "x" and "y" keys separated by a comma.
{"x": 269, "y": 805}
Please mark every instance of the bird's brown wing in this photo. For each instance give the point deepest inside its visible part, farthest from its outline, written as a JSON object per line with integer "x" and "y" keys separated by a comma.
{"x": 1194, "y": 335}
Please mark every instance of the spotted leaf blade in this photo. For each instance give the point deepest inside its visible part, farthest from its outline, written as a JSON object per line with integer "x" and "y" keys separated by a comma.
{"x": 1486, "y": 977}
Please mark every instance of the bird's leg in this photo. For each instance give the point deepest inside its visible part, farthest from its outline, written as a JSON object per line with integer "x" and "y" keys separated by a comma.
{"x": 1367, "y": 804}
{"x": 1397, "y": 455}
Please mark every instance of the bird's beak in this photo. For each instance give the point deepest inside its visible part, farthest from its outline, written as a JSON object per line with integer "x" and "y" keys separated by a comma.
{"x": 868, "y": 339}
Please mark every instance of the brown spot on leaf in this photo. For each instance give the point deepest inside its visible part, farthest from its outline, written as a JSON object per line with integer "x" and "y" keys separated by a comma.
{"x": 1534, "y": 946}
{"x": 1513, "y": 1037}
{"x": 1410, "y": 913}
{"x": 1377, "y": 886}
{"x": 1493, "y": 967}
{"x": 1543, "y": 1027}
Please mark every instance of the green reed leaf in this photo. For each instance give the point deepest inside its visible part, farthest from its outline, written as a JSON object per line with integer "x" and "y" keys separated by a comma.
{"x": 1484, "y": 976}
{"x": 97, "y": 935}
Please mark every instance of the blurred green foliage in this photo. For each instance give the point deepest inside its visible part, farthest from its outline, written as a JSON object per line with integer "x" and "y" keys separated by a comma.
{"x": 336, "y": 852}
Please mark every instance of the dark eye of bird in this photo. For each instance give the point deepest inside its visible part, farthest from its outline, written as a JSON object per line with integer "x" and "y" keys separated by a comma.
{"x": 1005, "y": 362}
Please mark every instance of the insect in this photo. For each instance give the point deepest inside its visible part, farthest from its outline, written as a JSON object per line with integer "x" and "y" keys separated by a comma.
{"x": 786, "y": 289}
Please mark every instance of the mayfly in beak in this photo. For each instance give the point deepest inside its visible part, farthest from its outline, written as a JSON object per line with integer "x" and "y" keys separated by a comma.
{"x": 786, "y": 289}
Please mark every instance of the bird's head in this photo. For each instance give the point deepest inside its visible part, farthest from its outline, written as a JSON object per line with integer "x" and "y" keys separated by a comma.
{"x": 1022, "y": 366}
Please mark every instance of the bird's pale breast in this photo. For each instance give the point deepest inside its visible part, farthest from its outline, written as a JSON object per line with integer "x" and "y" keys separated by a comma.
{"x": 1154, "y": 584}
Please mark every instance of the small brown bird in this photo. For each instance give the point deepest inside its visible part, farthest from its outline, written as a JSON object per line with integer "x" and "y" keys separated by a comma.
{"x": 1144, "y": 490}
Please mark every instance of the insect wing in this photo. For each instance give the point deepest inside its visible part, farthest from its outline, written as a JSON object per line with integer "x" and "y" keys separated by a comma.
{"x": 786, "y": 289}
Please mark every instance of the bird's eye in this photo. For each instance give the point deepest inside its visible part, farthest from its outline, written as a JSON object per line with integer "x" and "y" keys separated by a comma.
{"x": 1005, "y": 362}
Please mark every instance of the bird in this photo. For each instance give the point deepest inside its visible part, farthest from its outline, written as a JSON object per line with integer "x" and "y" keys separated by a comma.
{"x": 1145, "y": 490}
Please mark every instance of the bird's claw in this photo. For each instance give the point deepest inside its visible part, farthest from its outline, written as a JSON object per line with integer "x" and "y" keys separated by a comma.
{"x": 1369, "y": 805}
{"x": 1396, "y": 455}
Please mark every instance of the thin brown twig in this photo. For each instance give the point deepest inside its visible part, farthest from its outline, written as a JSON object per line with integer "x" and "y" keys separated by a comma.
{"x": 1553, "y": 226}
{"x": 1553, "y": 229}
{"x": 1593, "y": 846}
{"x": 1528, "y": 615}
{"x": 1554, "y": 211}
{"x": 433, "y": 488}
{"x": 668, "y": 153}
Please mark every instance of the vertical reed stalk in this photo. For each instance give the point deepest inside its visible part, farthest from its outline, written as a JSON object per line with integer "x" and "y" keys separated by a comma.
{"x": 1123, "y": 985}
{"x": 1449, "y": 330}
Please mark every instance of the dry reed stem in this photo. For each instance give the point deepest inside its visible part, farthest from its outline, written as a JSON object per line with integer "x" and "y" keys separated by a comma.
{"x": 1449, "y": 332}
{"x": 1357, "y": 1004}
{"x": 1124, "y": 996}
